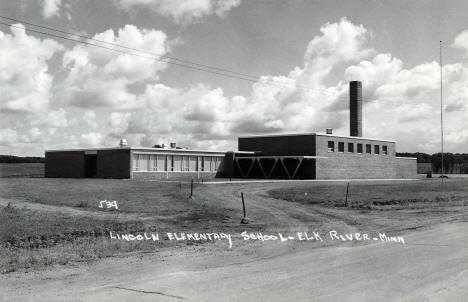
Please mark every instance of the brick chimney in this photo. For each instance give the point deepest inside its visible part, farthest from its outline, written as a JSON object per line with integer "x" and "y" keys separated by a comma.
{"x": 355, "y": 108}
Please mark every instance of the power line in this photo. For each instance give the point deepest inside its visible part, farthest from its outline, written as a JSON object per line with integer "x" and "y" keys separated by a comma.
{"x": 167, "y": 59}
{"x": 124, "y": 52}
{"x": 129, "y": 48}
{"x": 254, "y": 78}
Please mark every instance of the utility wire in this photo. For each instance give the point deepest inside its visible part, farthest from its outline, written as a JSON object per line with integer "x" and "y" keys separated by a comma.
{"x": 253, "y": 77}
{"x": 129, "y": 48}
{"x": 169, "y": 60}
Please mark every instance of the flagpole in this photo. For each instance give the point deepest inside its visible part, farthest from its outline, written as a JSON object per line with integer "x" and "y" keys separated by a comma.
{"x": 441, "y": 114}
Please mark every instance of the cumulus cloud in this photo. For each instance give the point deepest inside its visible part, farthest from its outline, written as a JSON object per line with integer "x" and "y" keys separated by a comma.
{"x": 50, "y": 8}
{"x": 101, "y": 78}
{"x": 8, "y": 137}
{"x": 53, "y": 118}
{"x": 184, "y": 11}
{"x": 461, "y": 42}
{"x": 201, "y": 115}
{"x": 26, "y": 83}
{"x": 89, "y": 117}
{"x": 401, "y": 102}
{"x": 13, "y": 138}
{"x": 409, "y": 100}
{"x": 91, "y": 139}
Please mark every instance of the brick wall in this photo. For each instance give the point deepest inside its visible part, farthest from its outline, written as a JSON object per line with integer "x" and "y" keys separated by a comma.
{"x": 113, "y": 163}
{"x": 339, "y": 165}
{"x": 279, "y": 145}
{"x": 67, "y": 164}
{"x": 405, "y": 167}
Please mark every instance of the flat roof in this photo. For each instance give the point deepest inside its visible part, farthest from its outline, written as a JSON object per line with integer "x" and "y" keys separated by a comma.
{"x": 138, "y": 148}
{"x": 320, "y": 134}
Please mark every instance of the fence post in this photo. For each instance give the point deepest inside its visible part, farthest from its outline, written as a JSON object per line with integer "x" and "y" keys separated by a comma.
{"x": 346, "y": 199}
{"x": 243, "y": 203}
{"x": 191, "y": 188}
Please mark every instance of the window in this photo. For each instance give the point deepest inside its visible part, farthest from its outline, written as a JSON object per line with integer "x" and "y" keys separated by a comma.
{"x": 177, "y": 163}
{"x": 154, "y": 162}
{"x": 193, "y": 163}
{"x": 376, "y": 149}
{"x": 384, "y": 150}
{"x": 350, "y": 147}
{"x": 368, "y": 148}
{"x": 135, "y": 162}
{"x": 340, "y": 146}
{"x": 161, "y": 162}
{"x": 359, "y": 148}
{"x": 207, "y": 163}
{"x": 144, "y": 162}
{"x": 331, "y": 146}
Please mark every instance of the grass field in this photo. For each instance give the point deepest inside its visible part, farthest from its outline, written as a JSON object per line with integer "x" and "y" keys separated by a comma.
{"x": 378, "y": 196}
{"x": 22, "y": 170}
{"x": 76, "y": 229}
{"x": 47, "y": 222}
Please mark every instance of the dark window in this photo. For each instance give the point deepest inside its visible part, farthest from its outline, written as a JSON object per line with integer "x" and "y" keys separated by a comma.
{"x": 350, "y": 147}
{"x": 331, "y": 146}
{"x": 368, "y": 148}
{"x": 376, "y": 149}
{"x": 384, "y": 150}
{"x": 340, "y": 146}
{"x": 359, "y": 148}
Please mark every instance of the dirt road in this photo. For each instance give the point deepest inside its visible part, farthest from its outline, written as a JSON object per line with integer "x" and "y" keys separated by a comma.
{"x": 432, "y": 265}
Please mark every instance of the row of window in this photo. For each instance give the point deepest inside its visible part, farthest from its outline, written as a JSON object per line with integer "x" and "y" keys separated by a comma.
{"x": 359, "y": 147}
{"x": 163, "y": 163}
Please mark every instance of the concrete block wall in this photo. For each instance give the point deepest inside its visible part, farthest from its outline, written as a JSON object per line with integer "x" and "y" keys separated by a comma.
{"x": 406, "y": 167}
{"x": 64, "y": 164}
{"x": 345, "y": 164}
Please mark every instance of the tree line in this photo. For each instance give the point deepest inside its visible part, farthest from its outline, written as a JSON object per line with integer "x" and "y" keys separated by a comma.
{"x": 453, "y": 162}
{"x": 11, "y": 159}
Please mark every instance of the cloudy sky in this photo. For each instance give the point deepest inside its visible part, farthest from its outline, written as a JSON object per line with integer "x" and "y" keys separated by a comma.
{"x": 298, "y": 57}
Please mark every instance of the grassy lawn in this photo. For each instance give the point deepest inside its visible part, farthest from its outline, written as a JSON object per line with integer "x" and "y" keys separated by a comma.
{"x": 63, "y": 222}
{"x": 378, "y": 195}
{"x": 30, "y": 239}
{"x": 22, "y": 170}
{"x": 131, "y": 196}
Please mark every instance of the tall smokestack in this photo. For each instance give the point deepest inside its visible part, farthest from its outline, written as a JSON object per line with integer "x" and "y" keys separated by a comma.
{"x": 355, "y": 108}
